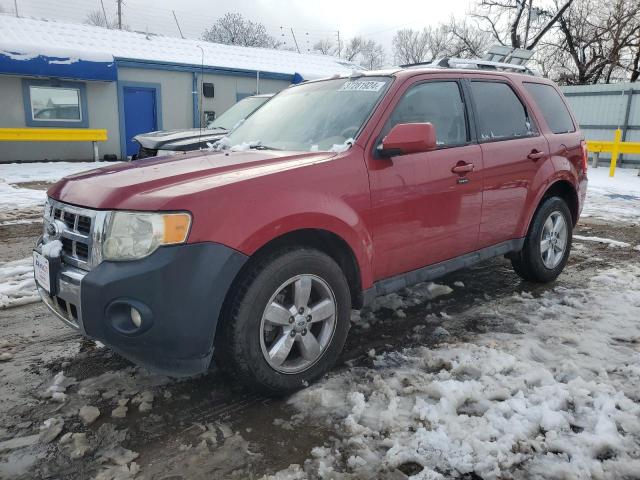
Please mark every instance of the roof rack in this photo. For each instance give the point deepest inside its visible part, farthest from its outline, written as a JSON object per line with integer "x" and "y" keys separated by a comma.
{"x": 477, "y": 64}
{"x": 498, "y": 57}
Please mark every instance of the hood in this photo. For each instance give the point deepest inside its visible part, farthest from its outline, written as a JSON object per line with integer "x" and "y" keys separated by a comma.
{"x": 161, "y": 182}
{"x": 176, "y": 139}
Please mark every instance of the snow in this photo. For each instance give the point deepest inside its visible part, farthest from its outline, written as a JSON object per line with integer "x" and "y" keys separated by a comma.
{"x": 607, "y": 241}
{"x": 525, "y": 404}
{"x": 613, "y": 199}
{"x": 17, "y": 286}
{"x": 44, "y": 171}
{"x": 27, "y": 38}
{"x": 52, "y": 249}
{"x": 17, "y": 202}
{"x": 13, "y": 198}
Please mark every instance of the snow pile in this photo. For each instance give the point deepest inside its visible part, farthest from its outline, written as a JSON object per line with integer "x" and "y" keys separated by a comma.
{"x": 43, "y": 171}
{"x": 17, "y": 286}
{"x": 606, "y": 241}
{"x": 617, "y": 198}
{"x": 18, "y": 203}
{"x": 535, "y": 404}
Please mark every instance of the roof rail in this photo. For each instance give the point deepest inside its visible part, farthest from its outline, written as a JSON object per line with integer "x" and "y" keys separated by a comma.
{"x": 477, "y": 64}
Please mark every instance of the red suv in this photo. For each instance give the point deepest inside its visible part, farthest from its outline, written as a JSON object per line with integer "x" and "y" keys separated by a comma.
{"x": 333, "y": 192}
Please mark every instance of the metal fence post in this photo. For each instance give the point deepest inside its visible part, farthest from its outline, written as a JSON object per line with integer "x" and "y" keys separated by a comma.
{"x": 96, "y": 157}
{"x": 614, "y": 153}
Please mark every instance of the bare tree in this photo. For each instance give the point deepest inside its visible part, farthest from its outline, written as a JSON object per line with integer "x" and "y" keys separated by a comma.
{"x": 234, "y": 29}
{"x": 412, "y": 46}
{"x": 519, "y": 23}
{"x": 597, "y": 42}
{"x": 325, "y": 47}
{"x": 458, "y": 38}
{"x": 466, "y": 39}
{"x": 373, "y": 56}
{"x": 97, "y": 19}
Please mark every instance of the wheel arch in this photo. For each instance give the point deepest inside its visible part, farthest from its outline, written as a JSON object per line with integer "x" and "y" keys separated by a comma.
{"x": 564, "y": 189}
{"x": 323, "y": 240}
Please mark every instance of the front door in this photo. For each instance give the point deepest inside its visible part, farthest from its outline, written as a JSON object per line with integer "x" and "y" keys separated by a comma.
{"x": 140, "y": 114}
{"x": 423, "y": 212}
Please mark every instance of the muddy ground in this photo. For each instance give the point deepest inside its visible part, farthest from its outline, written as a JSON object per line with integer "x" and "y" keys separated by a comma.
{"x": 208, "y": 427}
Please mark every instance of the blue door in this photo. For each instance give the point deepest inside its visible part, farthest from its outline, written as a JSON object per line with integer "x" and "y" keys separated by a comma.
{"x": 139, "y": 114}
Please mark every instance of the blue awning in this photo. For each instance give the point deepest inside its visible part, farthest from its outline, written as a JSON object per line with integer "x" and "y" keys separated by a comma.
{"x": 15, "y": 63}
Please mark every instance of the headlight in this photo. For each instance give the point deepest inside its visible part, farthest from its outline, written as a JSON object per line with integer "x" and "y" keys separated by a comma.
{"x": 134, "y": 235}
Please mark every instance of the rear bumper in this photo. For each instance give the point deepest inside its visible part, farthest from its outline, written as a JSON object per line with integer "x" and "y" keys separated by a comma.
{"x": 178, "y": 291}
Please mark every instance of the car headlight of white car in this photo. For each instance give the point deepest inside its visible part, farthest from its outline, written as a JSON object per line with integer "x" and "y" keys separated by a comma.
{"x": 135, "y": 235}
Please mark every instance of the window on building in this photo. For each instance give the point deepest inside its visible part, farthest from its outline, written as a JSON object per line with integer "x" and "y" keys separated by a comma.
{"x": 553, "y": 108}
{"x": 51, "y": 103}
{"x": 501, "y": 114}
{"x": 438, "y": 103}
{"x": 55, "y": 103}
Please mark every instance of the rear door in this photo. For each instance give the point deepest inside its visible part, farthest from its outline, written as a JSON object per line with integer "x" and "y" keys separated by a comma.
{"x": 512, "y": 151}
{"x": 422, "y": 212}
{"x": 565, "y": 140}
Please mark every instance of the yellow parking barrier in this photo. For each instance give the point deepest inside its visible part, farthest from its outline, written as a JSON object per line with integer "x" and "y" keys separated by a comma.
{"x": 616, "y": 147}
{"x": 92, "y": 135}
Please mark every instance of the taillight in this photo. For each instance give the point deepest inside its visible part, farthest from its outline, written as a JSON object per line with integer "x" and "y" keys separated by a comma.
{"x": 585, "y": 156}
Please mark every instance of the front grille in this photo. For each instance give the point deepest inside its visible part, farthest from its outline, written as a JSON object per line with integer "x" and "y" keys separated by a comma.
{"x": 77, "y": 234}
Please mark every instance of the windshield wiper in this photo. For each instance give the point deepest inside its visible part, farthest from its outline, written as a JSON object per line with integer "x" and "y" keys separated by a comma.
{"x": 262, "y": 147}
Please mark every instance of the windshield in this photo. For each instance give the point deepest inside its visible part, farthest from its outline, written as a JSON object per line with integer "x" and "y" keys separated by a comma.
{"x": 236, "y": 113}
{"x": 325, "y": 116}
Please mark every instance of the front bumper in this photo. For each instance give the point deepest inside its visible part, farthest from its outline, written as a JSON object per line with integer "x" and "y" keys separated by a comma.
{"x": 179, "y": 291}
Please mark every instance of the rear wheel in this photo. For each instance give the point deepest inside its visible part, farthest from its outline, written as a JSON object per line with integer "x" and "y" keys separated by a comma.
{"x": 548, "y": 243}
{"x": 287, "y": 321}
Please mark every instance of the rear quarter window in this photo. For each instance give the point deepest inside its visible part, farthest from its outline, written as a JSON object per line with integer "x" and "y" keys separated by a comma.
{"x": 500, "y": 113}
{"x": 552, "y": 107}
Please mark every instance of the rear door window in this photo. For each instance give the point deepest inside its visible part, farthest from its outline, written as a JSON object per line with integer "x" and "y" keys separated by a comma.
{"x": 500, "y": 113}
{"x": 553, "y": 108}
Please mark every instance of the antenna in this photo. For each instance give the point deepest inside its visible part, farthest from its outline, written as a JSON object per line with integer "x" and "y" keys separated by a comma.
{"x": 200, "y": 92}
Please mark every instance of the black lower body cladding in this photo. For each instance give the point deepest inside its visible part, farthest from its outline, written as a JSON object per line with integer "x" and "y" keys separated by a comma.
{"x": 179, "y": 292}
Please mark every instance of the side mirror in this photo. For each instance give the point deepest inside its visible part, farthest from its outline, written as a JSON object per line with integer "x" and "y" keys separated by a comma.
{"x": 407, "y": 138}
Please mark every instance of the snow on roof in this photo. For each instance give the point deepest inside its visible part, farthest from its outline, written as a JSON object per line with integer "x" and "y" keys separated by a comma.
{"x": 25, "y": 38}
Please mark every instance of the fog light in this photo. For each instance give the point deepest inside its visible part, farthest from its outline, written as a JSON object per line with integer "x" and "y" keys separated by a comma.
{"x": 136, "y": 318}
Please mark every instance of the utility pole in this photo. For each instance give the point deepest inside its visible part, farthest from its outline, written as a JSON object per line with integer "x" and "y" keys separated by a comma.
{"x": 15, "y": 4}
{"x": 176, "y": 19}
{"x": 119, "y": 14}
{"x": 294, "y": 39}
{"x": 104, "y": 14}
{"x": 339, "y": 46}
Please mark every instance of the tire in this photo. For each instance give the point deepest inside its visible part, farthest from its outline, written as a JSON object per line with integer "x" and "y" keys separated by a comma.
{"x": 247, "y": 336}
{"x": 540, "y": 261}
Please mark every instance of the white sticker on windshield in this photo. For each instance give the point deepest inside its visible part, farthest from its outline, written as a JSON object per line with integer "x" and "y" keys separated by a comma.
{"x": 362, "y": 86}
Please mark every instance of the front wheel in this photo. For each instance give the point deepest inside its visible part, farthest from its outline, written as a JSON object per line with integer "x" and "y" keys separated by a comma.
{"x": 287, "y": 321}
{"x": 548, "y": 243}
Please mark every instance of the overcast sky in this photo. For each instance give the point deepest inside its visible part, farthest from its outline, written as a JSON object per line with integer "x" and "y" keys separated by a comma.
{"x": 311, "y": 20}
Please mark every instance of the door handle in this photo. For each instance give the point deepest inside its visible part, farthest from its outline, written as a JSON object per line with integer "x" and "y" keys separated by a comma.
{"x": 461, "y": 168}
{"x": 536, "y": 155}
